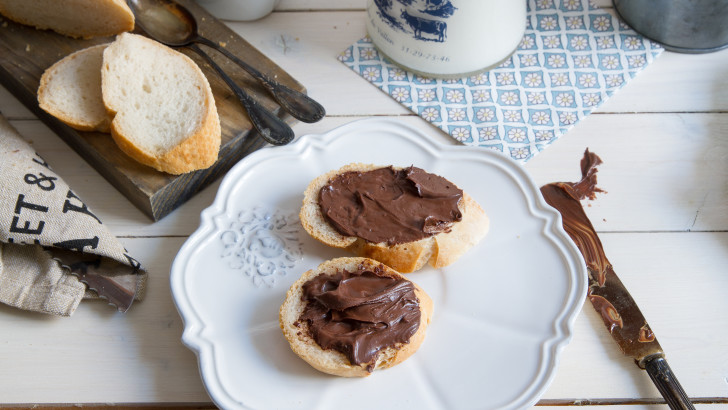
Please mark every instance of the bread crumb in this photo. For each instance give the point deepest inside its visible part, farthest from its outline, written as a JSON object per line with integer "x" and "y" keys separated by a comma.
{"x": 27, "y": 48}
{"x": 222, "y": 43}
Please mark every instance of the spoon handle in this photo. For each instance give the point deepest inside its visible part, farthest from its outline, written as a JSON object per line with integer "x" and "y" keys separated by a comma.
{"x": 298, "y": 104}
{"x": 271, "y": 128}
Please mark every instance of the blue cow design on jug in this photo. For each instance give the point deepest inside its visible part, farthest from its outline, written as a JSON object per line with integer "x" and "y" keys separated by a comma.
{"x": 446, "y": 38}
{"x": 418, "y": 24}
{"x": 424, "y": 19}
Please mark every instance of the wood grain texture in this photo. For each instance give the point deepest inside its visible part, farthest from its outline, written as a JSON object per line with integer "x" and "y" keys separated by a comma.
{"x": 307, "y": 5}
{"x": 100, "y": 356}
{"x": 663, "y": 222}
{"x": 26, "y": 52}
{"x": 655, "y": 172}
{"x": 307, "y": 44}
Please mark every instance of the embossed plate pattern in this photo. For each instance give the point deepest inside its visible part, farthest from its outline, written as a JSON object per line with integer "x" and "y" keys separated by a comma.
{"x": 503, "y": 312}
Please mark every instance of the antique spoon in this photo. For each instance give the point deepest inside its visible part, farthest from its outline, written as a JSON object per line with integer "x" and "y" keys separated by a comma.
{"x": 271, "y": 128}
{"x": 172, "y": 24}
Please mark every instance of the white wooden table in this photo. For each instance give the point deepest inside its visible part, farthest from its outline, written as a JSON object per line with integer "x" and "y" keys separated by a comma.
{"x": 663, "y": 222}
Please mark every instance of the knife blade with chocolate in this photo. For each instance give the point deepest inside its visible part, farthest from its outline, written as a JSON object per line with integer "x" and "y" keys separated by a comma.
{"x": 607, "y": 294}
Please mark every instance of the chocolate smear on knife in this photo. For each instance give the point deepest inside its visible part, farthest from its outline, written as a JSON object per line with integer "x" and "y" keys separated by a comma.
{"x": 565, "y": 197}
{"x": 620, "y": 314}
{"x": 606, "y": 293}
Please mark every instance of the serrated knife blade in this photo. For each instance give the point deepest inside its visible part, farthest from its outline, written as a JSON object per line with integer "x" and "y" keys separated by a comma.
{"x": 111, "y": 280}
{"x": 607, "y": 293}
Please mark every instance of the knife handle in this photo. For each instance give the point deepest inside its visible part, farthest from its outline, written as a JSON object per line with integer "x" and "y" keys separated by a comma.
{"x": 667, "y": 383}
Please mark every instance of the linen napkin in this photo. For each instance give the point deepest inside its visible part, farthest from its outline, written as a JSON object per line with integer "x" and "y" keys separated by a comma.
{"x": 572, "y": 58}
{"x": 54, "y": 251}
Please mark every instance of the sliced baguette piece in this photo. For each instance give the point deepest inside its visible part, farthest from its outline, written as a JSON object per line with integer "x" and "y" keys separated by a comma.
{"x": 74, "y": 18}
{"x": 164, "y": 111}
{"x": 334, "y": 362}
{"x": 70, "y": 90}
{"x": 439, "y": 250}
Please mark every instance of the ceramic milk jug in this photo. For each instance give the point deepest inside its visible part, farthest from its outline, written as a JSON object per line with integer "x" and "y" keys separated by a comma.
{"x": 446, "y": 38}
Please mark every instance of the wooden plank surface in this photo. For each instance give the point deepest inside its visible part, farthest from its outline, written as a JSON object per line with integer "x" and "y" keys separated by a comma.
{"x": 313, "y": 5}
{"x": 25, "y": 53}
{"x": 639, "y": 151}
{"x": 663, "y": 223}
{"x": 308, "y": 46}
{"x": 673, "y": 83}
{"x": 117, "y": 350}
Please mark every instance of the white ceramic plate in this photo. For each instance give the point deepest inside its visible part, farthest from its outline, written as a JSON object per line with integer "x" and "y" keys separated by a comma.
{"x": 503, "y": 312}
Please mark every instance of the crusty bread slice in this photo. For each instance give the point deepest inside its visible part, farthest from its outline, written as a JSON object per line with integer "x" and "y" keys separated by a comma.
{"x": 334, "y": 362}
{"x": 439, "y": 250}
{"x": 70, "y": 90}
{"x": 164, "y": 111}
{"x": 74, "y": 18}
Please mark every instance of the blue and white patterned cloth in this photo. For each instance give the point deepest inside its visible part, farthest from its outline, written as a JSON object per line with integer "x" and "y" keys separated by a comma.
{"x": 573, "y": 57}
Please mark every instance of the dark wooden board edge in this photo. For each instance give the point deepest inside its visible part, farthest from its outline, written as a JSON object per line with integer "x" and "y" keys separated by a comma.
{"x": 155, "y": 193}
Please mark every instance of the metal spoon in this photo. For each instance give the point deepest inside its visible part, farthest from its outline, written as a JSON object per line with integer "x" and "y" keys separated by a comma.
{"x": 271, "y": 128}
{"x": 169, "y": 23}
{"x": 172, "y": 24}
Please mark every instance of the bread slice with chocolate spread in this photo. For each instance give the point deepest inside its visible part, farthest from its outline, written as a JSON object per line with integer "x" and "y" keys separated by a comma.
{"x": 298, "y": 329}
{"x": 439, "y": 249}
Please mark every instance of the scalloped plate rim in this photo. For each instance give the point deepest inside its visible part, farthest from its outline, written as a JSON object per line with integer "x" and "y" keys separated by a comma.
{"x": 204, "y": 349}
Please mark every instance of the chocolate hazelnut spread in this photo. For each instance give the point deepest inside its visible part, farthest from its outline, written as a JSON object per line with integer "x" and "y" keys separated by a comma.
{"x": 606, "y": 292}
{"x": 360, "y": 313}
{"x": 393, "y": 206}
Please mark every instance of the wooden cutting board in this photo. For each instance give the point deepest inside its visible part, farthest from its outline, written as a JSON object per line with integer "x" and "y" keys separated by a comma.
{"x": 25, "y": 53}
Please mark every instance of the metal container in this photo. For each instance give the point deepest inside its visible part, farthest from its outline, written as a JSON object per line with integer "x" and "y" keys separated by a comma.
{"x": 684, "y": 26}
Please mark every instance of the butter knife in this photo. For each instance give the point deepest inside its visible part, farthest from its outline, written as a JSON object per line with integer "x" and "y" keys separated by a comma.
{"x": 607, "y": 294}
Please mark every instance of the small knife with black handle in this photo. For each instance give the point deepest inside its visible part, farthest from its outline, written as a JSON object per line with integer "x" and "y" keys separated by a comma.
{"x": 606, "y": 293}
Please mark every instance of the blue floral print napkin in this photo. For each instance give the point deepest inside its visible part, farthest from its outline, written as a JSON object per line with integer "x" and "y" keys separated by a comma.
{"x": 572, "y": 58}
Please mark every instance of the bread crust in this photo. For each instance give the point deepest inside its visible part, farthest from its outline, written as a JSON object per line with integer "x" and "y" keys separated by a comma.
{"x": 334, "y": 362}
{"x": 439, "y": 250}
{"x": 88, "y": 123}
{"x": 198, "y": 151}
{"x": 96, "y": 18}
